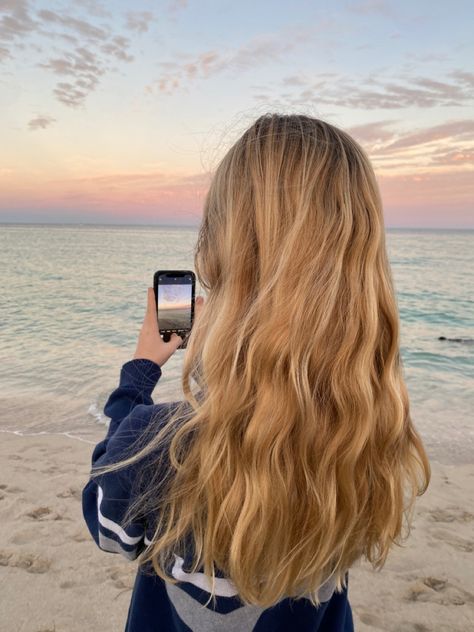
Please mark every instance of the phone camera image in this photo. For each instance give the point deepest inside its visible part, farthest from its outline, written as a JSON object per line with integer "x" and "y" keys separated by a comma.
{"x": 174, "y": 293}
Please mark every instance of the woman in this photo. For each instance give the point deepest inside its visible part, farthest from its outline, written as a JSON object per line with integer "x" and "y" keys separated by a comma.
{"x": 247, "y": 502}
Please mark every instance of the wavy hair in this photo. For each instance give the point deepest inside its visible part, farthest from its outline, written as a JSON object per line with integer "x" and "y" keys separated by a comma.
{"x": 297, "y": 455}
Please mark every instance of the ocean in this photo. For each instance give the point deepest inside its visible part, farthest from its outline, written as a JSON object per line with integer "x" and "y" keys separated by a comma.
{"x": 74, "y": 296}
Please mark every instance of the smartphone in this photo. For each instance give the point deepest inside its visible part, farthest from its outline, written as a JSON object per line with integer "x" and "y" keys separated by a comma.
{"x": 174, "y": 296}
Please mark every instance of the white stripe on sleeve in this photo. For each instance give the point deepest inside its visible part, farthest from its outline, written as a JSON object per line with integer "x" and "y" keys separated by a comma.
{"x": 113, "y": 526}
{"x": 112, "y": 546}
{"x": 224, "y": 587}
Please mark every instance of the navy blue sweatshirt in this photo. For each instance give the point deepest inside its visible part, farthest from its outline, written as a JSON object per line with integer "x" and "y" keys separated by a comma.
{"x": 161, "y": 606}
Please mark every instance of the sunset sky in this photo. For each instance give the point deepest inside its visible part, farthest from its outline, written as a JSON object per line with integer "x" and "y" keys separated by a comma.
{"x": 117, "y": 112}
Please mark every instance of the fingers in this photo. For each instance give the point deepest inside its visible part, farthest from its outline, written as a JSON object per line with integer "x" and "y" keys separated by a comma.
{"x": 151, "y": 300}
{"x": 151, "y": 316}
{"x": 198, "y": 305}
{"x": 151, "y": 305}
{"x": 175, "y": 341}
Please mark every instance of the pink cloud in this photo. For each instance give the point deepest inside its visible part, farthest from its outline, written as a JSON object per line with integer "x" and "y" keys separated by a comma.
{"x": 258, "y": 50}
{"x": 136, "y": 196}
{"x": 461, "y": 130}
{"x": 428, "y": 199}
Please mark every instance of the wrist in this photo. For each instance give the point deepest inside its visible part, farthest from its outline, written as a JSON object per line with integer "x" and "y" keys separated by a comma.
{"x": 148, "y": 358}
{"x": 141, "y": 373}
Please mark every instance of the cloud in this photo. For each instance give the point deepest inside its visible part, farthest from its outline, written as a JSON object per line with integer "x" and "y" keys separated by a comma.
{"x": 147, "y": 181}
{"x": 152, "y": 192}
{"x": 464, "y": 77}
{"x": 372, "y": 133}
{"x": 448, "y": 144}
{"x": 81, "y": 27}
{"x": 118, "y": 48}
{"x": 446, "y": 190}
{"x": 176, "y": 5}
{"x": 83, "y": 50}
{"x": 15, "y": 24}
{"x": 412, "y": 198}
{"x": 138, "y": 20}
{"x": 85, "y": 69}
{"x": 382, "y": 94}
{"x": 69, "y": 94}
{"x": 453, "y": 157}
{"x": 370, "y": 7}
{"x": 426, "y": 57}
{"x": 260, "y": 49}
{"x": 88, "y": 61}
{"x": 41, "y": 122}
{"x": 293, "y": 80}
{"x": 94, "y": 8}
{"x": 81, "y": 61}
{"x": 460, "y": 130}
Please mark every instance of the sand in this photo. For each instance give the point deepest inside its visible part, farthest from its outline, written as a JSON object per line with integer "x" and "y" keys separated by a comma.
{"x": 54, "y": 578}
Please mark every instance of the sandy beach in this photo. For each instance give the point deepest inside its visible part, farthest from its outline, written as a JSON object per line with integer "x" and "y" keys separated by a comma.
{"x": 55, "y": 579}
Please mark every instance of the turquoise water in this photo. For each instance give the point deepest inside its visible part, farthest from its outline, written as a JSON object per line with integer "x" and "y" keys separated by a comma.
{"x": 74, "y": 297}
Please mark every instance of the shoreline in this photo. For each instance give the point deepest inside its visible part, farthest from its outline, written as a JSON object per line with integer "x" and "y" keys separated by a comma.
{"x": 52, "y": 567}
{"x": 96, "y": 433}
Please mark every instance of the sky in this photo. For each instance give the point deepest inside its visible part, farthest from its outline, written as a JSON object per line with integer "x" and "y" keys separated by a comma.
{"x": 118, "y": 112}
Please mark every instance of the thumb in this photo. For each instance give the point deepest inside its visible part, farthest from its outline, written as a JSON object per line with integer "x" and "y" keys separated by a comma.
{"x": 175, "y": 341}
{"x": 198, "y": 305}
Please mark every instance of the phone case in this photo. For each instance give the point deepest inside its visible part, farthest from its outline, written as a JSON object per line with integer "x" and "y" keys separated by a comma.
{"x": 184, "y": 333}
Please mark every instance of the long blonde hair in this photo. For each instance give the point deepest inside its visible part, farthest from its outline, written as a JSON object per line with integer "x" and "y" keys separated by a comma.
{"x": 298, "y": 454}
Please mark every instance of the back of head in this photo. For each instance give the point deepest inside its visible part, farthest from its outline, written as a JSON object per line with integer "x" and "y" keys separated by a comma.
{"x": 303, "y": 446}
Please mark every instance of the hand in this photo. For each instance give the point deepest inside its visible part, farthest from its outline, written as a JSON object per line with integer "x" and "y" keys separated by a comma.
{"x": 151, "y": 345}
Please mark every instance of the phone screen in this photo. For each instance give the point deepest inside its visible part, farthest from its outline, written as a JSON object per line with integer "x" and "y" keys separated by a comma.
{"x": 174, "y": 302}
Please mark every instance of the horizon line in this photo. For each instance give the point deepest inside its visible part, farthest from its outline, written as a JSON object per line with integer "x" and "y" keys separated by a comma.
{"x": 195, "y": 226}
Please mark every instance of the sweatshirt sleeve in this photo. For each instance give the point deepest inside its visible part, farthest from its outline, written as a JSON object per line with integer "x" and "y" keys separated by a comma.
{"x": 106, "y": 498}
